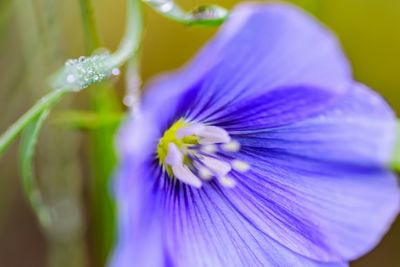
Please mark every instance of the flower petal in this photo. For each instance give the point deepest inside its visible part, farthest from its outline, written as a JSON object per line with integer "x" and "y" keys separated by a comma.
{"x": 260, "y": 48}
{"x": 319, "y": 186}
{"x": 181, "y": 226}
{"x": 133, "y": 216}
{"x": 275, "y": 108}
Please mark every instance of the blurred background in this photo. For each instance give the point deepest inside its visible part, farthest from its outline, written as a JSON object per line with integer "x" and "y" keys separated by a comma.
{"x": 37, "y": 36}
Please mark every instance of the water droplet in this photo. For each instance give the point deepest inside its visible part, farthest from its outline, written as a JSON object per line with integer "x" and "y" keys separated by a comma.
{"x": 129, "y": 100}
{"x": 70, "y": 78}
{"x": 209, "y": 12}
{"x": 166, "y": 7}
{"x": 115, "y": 72}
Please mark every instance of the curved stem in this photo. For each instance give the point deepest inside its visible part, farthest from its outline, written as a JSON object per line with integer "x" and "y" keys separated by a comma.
{"x": 126, "y": 50}
{"x": 130, "y": 44}
{"x": 91, "y": 37}
{"x": 29, "y": 183}
{"x": 44, "y": 103}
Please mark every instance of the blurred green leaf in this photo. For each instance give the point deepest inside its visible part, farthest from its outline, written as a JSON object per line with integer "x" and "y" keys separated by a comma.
{"x": 43, "y": 104}
{"x": 396, "y": 156}
{"x": 29, "y": 183}
{"x": 87, "y": 120}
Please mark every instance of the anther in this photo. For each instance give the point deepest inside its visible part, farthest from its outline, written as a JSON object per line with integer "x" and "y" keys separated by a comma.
{"x": 240, "y": 165}
{"x": 232, "y": 146}
{"x": 219, "y": 167}
{"x": 227, "y": 181}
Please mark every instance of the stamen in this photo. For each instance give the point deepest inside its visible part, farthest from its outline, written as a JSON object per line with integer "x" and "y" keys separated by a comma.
{"x": 227, "y": 181}
{"x": 189, "y": 130}
{"x": 213, "y": 135}
{"x": 185, "y": 175}
{"x": 219, "y": 167}
{"x": 240, "y": 165}
{"x": 205, "y": 173}
{"x": 174, "y": 156}
{"x": 211, "y": 149}
{"x": 190, "y": 153}
{"x": 232, "y": 146}
{"x": 181, "y": 172}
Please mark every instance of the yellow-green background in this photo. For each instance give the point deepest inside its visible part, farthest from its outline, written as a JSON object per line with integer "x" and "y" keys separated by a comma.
{"x": 36, "y": 36}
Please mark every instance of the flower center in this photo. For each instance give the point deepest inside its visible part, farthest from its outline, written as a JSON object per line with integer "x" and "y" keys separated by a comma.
{"x": 195, "y": 152}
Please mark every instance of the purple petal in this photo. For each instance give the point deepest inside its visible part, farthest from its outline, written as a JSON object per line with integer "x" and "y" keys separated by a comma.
{"x": 132, "y": 192}
{"x": 180, "y": 226}
{"x": 358, "y": 129}
{"x": 275, "y": 108}
{"x": 260, "y": 48}
{"x": 319, "y": 186}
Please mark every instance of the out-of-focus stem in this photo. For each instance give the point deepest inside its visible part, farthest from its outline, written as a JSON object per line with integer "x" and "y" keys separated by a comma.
{"x": 29, "y": 182}
{"x": 126, "y": 50}
{"x": 102, "y": 155}
{"x": 133, "y": 32}
{"x": 89, "y": 26}
{"x": 44, "y": 103}
{"x": 395, "y": 163}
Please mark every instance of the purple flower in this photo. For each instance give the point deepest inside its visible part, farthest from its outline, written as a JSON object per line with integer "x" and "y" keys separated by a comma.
{"x": 263, "y": 151}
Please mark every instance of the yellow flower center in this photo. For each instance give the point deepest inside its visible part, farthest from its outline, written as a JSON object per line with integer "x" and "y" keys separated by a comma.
{"x": 170, "y": 137}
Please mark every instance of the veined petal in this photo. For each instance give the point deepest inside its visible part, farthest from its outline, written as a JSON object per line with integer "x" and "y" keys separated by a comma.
{"x": 319, "y": 186}
{"x": 136, "y": 247}
{"x": 279, "y": 107}
{"x": 260, "y": 48}
{"x": 315, "y": 167}
{"x": 182, "y": 227}
{"x": 359, "y": 129}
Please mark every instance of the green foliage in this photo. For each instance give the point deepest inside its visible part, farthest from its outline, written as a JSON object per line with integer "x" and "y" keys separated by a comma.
{"x": 396, "y": 156}
{"x": 29, "y": 183}
{"x": 31, "y": 115}
{"x": 87, "y": 120}
{"x": 105, "y": 115}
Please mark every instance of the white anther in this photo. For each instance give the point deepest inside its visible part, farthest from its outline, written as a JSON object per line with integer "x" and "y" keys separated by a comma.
{"x": 227, "y": 181}
{"x": 213, "y": 135}
{"x": 219, "y": 167}
{"x": 186, "y": 176}
{"x": 181, "y": 172}
{"x": 240, "y": 165}
{"x": 174, "y": 156}
{"x": 211, "y": 149}
{"x": 205, "y": 173}
{"x": 232, "y": 146}
{"x": 189, "y": 130}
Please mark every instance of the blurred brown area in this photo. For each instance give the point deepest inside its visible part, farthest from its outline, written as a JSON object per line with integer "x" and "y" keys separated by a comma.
{"x": 36, "y": 36}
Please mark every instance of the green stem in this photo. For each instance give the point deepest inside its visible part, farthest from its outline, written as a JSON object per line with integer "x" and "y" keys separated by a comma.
{"x": 127, "y": 49}
{"x": 89, "y": 24}
{"x": 130, "y": 44}
{"x": 44, "y": 103}
{"x": 29, "y": 184}
{"x": 395, "y": 163}
{"x": 102, "y": 154}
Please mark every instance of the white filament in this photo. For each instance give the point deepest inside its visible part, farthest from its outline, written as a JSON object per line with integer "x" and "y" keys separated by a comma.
{"x": 207, "y": 164}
